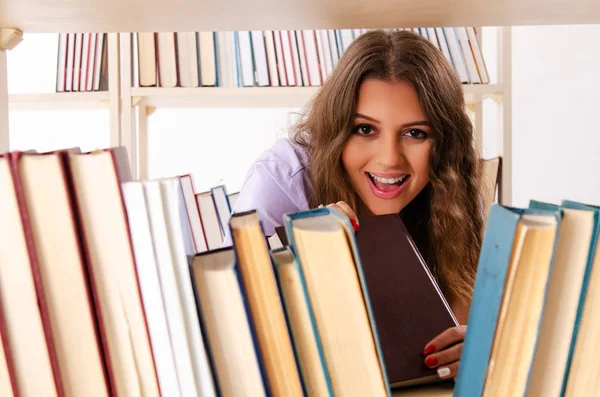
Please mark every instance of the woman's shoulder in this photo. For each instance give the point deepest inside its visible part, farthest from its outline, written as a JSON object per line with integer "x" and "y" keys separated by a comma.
{"x": 285, "y": 156}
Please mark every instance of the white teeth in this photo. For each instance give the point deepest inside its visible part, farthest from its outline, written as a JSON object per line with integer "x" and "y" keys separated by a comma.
{"x": 389, "y": 181}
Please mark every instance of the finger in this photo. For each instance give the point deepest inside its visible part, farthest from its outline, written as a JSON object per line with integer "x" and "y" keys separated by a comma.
{"x": 449, "y": 371}
{"x": 348, "y": 210}
{"x": 445, "y": 356}
{"x": 445, "y": 339}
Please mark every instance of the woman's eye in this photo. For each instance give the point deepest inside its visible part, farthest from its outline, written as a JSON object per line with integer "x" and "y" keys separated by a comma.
{"x": 363, "y": 129}
{"x": 416, "y": 133}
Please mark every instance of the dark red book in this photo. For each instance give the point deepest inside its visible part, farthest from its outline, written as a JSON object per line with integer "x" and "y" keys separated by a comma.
{"x": 407, "y": 303}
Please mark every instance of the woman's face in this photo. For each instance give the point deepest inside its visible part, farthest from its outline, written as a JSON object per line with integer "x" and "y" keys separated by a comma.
{"x": 387, "y": 156}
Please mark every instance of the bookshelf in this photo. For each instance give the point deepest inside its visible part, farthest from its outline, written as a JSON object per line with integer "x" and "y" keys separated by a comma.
{"x": 192, "y": 15}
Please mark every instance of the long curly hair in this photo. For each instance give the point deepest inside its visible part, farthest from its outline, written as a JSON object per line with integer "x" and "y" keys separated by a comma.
{"x": 445, "y": 219}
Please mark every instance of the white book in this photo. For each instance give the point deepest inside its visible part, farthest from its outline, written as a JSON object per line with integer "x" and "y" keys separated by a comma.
{"x": 260, "y": 58}
{"x": 433, "y": 37}
{"x": 172, "y": 297}
{"x": 457, "y": 56}
{"x": 321, "y": 56}
{"x": 481, "y": 67}
{"x": 208, "y": 64}
{"x": 463, "y": 40}
{"x": 347, "y": 38}
{"x": 226, "y": 60}
{"x": 340, "y": 44}
{"x": 150, "y": 285}
{"x": 245, "y": 50}
{"x": 187, "y": 56}
{"x": 85, "y": 57}
{"x": 191, "y": 207}
{"x": 443, "y": 43}
{"x": 77, "y": 61}
{"x": 91, "y": 63}
{"x": 180, "y": 238}
{"x": 271, "y": 58}
{"x": 312, "y": 59}
{"x": 232, "y": 198}
{"x": 326, "y": 52}
{"x": 302, "y": 58}
{"x": 61, "y": 63}
{"x": 296, "y": 58}
{"x": 70, "y": 62}
{"x": 210, "y": 220}
{"x": 356, "y": 32}
{"x": 287, "y": 56}
{"x": 167, "y": 61}
{"x": 283, "y": 81}
{"x": 100, "y": 43}
{"x": 333, "y": 46}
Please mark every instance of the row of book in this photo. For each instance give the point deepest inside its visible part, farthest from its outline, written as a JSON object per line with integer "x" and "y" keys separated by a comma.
{"x": 275, "y": 58}
{"x": 105, "y": 290}
{"x": 82, "y": 63}
{"x": 533, "y": 322}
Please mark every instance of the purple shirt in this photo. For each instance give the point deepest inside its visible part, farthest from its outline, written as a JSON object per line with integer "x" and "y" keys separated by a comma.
{"x": 276, "y": 184}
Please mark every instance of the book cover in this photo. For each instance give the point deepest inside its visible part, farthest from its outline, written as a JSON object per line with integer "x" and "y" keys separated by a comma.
{"x": 409, "y": 307}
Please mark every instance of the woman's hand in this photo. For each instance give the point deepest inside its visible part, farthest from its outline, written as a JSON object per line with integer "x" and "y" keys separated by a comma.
{"x": 345, "y": 209}
{"x": 444, "y": 351}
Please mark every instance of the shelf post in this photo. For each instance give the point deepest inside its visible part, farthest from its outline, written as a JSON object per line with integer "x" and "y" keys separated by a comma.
{"x": 9, "y": 39}
{"x": 505, "y": 112}
{"x": 478, "y": 108}
{"x": 142, "y": 117}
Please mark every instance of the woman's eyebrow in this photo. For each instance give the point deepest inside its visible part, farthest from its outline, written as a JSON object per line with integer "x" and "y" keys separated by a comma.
{"x": 362, "y": 116}
{"x": 416, "y": 123}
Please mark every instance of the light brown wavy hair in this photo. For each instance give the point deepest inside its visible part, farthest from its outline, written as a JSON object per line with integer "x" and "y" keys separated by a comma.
{"x": 445, "y": 219}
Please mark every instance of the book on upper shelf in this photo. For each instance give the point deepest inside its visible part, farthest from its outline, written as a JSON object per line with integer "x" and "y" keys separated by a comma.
{"x": 82, "y": 62}
{"x": 287, "y": 58}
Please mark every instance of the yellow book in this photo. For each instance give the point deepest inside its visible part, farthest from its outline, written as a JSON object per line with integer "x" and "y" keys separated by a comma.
{"x": 521, "y": 308}
{"x": 265, "y": 305}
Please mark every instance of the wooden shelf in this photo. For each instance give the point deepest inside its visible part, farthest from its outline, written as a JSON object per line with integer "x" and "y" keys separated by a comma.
{"x": 209, "y": 15}
{"x": 259, "y": 97}
{"x": 59, "y": 100}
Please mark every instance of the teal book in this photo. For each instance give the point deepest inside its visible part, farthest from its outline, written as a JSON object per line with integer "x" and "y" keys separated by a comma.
{"x": 488, "y": 295}
{"x": 329, "y": 223}
{"x": 301, "y": 323}
{"x": 586, "y": 279}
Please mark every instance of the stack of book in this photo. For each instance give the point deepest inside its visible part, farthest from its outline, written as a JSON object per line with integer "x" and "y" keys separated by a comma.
{"x": 275, "y": 58}
{"x": 82, "y": 63}
{"x": 106, "y": 290}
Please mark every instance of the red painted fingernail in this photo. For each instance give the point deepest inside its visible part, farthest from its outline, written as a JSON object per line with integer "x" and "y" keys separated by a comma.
{"x": 431, "y": 361}
{"x": 428, "y": 350}
{"x": 354, "y": 224}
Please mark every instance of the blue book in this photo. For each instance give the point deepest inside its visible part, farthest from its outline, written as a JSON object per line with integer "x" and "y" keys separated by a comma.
{"x": 339, "y": 219}
{"x": 487, "y": 297}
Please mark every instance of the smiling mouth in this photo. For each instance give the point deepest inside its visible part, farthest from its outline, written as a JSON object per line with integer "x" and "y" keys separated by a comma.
{"x": 387, "y": 188}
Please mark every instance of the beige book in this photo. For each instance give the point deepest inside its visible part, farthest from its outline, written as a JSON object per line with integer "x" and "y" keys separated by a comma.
{"x": 521, "y": 308}
{"x": 23, "y": 322}
{"x": 187, "y": 57}
{"x": 265, "y": 306}
{"x": 228, "y": 332}
{"x": 96, "y": 178}
{"x": 147, "y": 59}
{"x": 51, "y": 217}
{"x": 489, "y": 182}
{"x": 556, "y": 331}
{"x": 584, "y": 374}
{"x": 339, "y": 307}
{"x": 167, "y": 59}
{"x": 206, "y": 45}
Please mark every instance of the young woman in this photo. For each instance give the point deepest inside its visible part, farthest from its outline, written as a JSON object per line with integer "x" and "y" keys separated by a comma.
{"x": 387, "y": 133}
